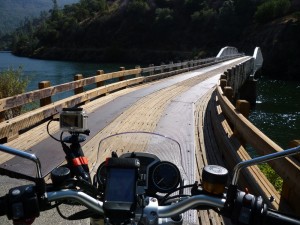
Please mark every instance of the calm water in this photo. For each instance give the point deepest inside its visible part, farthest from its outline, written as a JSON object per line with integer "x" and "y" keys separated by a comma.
{"x": 57, "y": 72}
{"x": 277, "y": 111}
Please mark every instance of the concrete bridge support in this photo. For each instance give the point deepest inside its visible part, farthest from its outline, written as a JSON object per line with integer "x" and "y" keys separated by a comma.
{"x": 241, "y": 77}
{"x": 248, "y": 91}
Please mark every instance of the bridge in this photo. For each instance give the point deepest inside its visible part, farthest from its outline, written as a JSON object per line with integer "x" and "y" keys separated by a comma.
{"x": 202, "y": 103}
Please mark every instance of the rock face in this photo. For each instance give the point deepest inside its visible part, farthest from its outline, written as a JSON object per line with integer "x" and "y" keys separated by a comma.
{"x": 280, "y": 44}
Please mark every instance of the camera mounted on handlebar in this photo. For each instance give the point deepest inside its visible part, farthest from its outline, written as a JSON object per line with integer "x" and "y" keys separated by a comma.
{"x": 74, "y": 121}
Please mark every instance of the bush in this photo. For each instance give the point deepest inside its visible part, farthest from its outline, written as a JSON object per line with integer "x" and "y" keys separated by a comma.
{"x": 272, "y": 176}
{"x": 12, "y": 82}
{"x": 271, "y": 9}
{"x": 137, "y": 7}
{"x": 164, "y": 16}
{"x": 204, "y": 17}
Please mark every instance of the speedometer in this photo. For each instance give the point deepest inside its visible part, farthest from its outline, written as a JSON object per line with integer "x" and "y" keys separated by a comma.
{"x": 165, "y": 177}
{"x": 101, "y": 175}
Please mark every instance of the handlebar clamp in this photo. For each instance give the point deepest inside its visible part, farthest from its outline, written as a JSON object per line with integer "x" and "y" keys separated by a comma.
{"x": 248, "y": 209}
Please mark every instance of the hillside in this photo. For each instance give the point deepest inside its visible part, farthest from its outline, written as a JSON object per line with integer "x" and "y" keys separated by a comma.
{"x": 280, "y": 45}
{"x": 13, "y": 12}
{"x": 153, "y": 31}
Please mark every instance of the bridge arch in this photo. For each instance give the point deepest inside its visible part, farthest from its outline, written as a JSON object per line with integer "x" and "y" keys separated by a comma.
{"x": 227, "y": 51}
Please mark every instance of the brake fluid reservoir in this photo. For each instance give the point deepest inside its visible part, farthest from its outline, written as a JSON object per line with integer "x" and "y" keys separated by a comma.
{"x": 59, "y": 175}
{"x": 214, "y": 179}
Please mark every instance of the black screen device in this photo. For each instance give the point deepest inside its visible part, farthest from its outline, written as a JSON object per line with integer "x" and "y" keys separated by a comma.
{"x": 120, "y": 191}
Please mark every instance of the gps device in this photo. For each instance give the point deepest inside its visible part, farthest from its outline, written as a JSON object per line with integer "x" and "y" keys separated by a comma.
{"x": 120, "y": 191}
{"x": 73, "y": 120}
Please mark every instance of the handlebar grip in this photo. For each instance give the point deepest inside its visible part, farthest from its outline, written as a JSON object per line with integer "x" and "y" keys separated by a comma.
{"x": 3, "y": 206}
{"x": 274, "y": 218}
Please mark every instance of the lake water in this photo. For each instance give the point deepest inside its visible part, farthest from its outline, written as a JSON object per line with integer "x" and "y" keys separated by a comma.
{"x": 57, "y": 72}
{"x": 277, "y": 112}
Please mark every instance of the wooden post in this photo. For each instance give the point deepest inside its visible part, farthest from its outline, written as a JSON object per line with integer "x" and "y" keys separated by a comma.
{"x": 248, "y": 91}
{"x": 228, "y": 92}
{"x": 223, "y": 76}
{"x": 79, "y": 89}
{"x": 122, "y": 77}
{"x": 152, "y": 71}
{"x": 229, "y": 76}
{"x": 179, "y": 67}
{"x": 223, "y": 83}
{"x": 289, "y": 194}
{"x": 47, "y": 100}
{"x": 162, "y": 66}
{"x": 192, "y": 64}
{"x": 243, "y": 107}
{"x": 170, "y": 66}
{"x": 139, "y": 74}
{"x": 234, "y": 83}
{"x": 2, "y": 116}
{"x": 100, "y": 83}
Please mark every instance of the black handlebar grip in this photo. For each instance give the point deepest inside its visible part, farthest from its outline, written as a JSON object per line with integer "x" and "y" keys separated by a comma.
{"x": 274, "y": 218}
{"x": 3, "y": 206}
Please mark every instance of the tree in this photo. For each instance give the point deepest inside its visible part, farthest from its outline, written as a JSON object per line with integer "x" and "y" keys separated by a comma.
{"x": 271, "y": 9}
{"x": 227, "y": 22}
{"x": 12, "y": 82}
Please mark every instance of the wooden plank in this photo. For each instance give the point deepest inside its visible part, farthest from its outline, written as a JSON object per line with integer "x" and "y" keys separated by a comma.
{"x": 261, "y": 142}
{"x": 112, "y": 107}
{"x": 10, "y": 128}
{"x": 32, "y": 96}
{"x": 43, "y": 113}
{"x": 235, "y": 153}
{"x": 145, "y": 113}
{"x": 11, "y": 102}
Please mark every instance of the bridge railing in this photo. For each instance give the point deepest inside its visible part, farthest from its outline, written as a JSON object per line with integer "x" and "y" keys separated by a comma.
{"x": 105, "y": 83}
{"x": 287, "y": 168}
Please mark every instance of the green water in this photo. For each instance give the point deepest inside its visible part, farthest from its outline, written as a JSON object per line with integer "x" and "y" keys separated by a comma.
{"x": 277, "y": 112}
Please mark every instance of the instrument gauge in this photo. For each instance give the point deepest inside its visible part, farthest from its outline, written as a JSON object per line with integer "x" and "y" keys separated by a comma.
{"x": 101, "y": 174}
{"x": 165, "y": 177}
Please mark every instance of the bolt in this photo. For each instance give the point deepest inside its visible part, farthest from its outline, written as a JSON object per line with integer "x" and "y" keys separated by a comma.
{"x": 16, "y": 192}
{"x": 153, "y": 199}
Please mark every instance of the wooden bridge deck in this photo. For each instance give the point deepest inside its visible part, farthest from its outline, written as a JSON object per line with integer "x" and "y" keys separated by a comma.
{"x": 173, "y": 106}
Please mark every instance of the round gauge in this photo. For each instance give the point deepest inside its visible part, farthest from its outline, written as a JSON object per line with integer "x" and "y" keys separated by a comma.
{"x": 165, "y": 177}
{"x": 101, "y": 174}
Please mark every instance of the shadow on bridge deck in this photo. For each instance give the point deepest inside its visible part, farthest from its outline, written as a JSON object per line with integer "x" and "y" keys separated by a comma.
{"x": 173, "y": 106}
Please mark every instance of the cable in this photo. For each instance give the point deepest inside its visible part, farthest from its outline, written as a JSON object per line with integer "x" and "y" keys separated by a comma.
{"x": 175, "y": 196}
{"x": 177, "y": 189}
{"x": 60, "y": 213}
{"x": 49, "y": 132}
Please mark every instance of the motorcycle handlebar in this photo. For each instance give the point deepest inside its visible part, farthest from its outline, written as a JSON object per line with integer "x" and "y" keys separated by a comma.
{"x": 79, "y": 196}
{"x": 277, "y": 218}
{"x": 269, "y": 217}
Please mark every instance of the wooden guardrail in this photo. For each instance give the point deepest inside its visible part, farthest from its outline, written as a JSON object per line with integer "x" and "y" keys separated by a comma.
{"x": 287, "y": 168}
{"x": 105, "y": 83}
